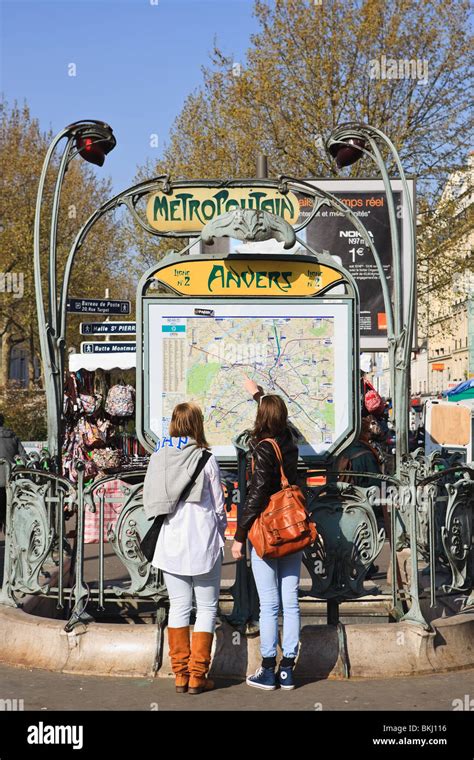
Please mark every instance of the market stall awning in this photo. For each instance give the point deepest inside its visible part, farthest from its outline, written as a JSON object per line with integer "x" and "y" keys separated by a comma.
{"x": 464, "y": 390}
{"x": 118, "y": 360}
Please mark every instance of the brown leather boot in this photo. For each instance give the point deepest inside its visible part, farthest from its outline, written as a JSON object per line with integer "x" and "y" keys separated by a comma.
{"x": 199, "y": 662}
{"x": 178, "y": 640}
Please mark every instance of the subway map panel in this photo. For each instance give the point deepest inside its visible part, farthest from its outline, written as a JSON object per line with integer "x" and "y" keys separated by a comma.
{"x": 206, "y": 360}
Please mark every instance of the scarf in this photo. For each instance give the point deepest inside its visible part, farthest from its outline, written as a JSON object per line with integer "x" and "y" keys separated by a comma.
{"x": 170, "y": 470}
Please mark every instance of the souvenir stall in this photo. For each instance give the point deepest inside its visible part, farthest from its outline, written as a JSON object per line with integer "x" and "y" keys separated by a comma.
{"x": 99, "y": 405}
{"x": 99, "y": 408}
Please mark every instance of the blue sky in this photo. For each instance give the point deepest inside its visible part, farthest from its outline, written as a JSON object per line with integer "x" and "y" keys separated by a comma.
{"x": 136, "y": 61}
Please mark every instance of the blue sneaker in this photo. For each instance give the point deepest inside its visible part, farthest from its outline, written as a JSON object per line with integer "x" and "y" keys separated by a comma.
{"x": 285, "y": 678}
{"x": 263, "y": 678}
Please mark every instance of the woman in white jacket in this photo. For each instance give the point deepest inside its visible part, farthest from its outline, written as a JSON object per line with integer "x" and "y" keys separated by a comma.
{"x": 189, "y": 549}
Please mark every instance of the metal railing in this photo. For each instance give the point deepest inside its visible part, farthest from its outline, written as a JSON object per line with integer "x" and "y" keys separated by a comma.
{"x": 39, "y": 506}
{"x": 429, "y": 509}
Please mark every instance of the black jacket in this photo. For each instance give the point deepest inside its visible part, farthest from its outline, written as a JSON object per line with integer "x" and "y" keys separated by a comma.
{"x": 10, "y": 447}
{"x": 266, "y": 479}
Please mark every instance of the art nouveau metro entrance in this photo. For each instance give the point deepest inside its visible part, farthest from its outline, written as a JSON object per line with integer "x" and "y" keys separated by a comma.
{"x": 287, "y": 315}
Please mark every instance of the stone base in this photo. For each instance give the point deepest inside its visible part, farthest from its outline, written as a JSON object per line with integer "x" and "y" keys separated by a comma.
{"x": 379, "y": 650}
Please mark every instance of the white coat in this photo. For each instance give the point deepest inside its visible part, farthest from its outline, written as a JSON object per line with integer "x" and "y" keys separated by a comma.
{"x": 193, "y": 535}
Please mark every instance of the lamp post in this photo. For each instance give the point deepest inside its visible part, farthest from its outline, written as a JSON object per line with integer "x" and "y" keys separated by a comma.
{"x": 92, "y": 140}
{"x": 347, "y": 144}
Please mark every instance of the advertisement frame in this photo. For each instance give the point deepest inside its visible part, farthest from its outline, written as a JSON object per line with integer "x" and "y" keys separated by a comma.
{"x": 374, "y": 185}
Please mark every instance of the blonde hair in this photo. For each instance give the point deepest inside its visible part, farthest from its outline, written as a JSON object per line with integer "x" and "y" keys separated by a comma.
{"x": 187, "y": 419}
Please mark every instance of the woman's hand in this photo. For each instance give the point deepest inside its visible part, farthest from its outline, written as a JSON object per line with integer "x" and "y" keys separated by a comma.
{"x": 250, "y": 386}
{"x": 237, "y": 550}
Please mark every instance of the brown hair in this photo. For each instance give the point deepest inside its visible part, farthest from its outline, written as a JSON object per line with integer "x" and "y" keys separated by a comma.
{"x": 187, "y": 419}
{"x": 272, "y": 417}
{"x": 370, "y": 429}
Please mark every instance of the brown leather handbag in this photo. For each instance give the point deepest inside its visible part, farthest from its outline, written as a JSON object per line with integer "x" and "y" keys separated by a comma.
{"x": 284, "y": 526}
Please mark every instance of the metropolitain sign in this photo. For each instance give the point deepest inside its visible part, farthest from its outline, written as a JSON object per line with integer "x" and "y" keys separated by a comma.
{"x": 189, "y": 209}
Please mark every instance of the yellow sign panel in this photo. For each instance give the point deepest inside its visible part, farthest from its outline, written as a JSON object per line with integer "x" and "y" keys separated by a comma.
{"x": 251, "y": 277}
{"x": 189, "y": 209}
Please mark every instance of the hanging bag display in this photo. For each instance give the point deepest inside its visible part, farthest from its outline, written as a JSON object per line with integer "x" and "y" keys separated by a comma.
{"x": 284, "y": 526}
{"x": 120, "y": 401}
{"x": 90, "y": 404}
{"x": 107, "y": 459}
{"x": 90, "y": 433}
{"x": 89, "y": 400}
{"x": 71, "y": 404}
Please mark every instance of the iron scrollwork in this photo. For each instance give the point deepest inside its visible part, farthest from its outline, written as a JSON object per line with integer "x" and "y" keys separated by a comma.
{"x": 347, "y": 544}
{"x": 31, "y": 529}
{"x": 456, "y": 535}
{"x": 146, "y": 581}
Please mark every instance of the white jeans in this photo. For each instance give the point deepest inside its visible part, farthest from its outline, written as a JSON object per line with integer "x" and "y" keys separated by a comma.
{"x": 206, "y": 589}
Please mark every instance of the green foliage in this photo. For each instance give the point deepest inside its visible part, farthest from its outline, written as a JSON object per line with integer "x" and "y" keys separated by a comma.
{"x": 23, "y": 147}
{"x": 309, "y": 68}
{"x": 25, "y": 413}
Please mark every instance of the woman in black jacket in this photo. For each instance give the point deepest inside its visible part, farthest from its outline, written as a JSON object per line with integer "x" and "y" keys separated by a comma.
{"x": 277, "y": 580}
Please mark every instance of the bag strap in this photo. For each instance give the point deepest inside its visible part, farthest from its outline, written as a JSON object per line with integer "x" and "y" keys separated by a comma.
{"x": 75, "y": 392}
{"x": 284, "y": 480}
{"x": 206, "y": 455}
{"x": 374, "y": 451}
{"x": 97, "y": 391}
{"x": 368, "y": 386}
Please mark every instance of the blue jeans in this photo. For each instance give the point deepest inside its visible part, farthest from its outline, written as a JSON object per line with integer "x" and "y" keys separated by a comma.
{"x": 206, "y": 590}
{"x": 278, "y": 580}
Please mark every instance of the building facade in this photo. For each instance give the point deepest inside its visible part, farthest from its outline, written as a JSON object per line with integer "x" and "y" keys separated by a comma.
{"x": 446, "y": 293}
